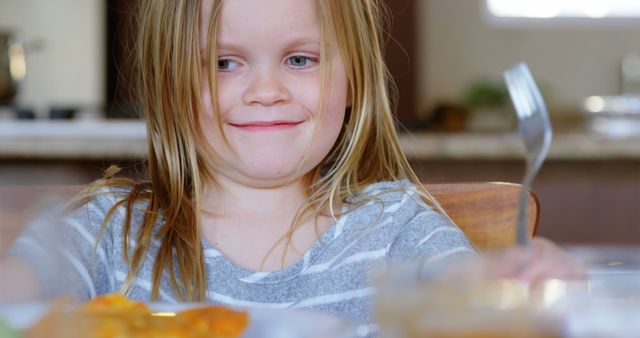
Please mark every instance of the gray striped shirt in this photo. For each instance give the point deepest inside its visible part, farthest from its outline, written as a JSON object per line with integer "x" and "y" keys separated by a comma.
{"x": 332, "y": 277}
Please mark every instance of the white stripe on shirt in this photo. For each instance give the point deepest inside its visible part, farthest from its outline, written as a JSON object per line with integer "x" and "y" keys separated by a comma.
{"x": 82, "y": 271}
{"x": 362, "y": 256}
{"x": 335, "y": 297}
{"x": 29, "y": 243}
{"x": 355, "y": 258}
{"x": 394, "y": 207}
{"x": 447, "y": 253}
{"x": 323, "y": 266}
{"x": 89, "y": 238}
{"x": 305, "y": 260}
{"x": 211, "y": 253}
{"x": 144, "y": 284}
{"x": 255, "y": 277}
{"x": 339, "y": 226}
{"x": 435, "y": 231}
{"x": 228, "y": 300}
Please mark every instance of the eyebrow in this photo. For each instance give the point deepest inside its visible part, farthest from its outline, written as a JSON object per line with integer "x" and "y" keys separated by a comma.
{"x": 289, "y": 44}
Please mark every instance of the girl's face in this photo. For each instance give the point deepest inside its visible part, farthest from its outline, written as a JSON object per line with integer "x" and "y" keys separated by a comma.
{"x": 269, "y": 92}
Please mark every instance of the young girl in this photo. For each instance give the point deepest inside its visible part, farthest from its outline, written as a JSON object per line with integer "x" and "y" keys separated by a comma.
{"x": 275, "y": 174}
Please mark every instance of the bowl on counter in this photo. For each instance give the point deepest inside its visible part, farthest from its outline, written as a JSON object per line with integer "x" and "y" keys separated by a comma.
{"x": 617, "y": 116}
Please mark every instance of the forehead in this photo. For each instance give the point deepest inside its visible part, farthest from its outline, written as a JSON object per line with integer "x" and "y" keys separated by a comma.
{"x": 268, "y": 21}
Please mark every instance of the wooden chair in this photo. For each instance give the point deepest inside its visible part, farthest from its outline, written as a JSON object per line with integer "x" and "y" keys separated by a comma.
{"x": 487, "y": 212}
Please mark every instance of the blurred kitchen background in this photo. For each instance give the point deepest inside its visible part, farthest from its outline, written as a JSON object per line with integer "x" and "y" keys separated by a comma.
{"x": 66, "y": 113}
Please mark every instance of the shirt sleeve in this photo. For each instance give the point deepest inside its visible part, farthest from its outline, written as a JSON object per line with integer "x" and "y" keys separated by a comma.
{"x": 431, "y": 235}
{"x": 64, "y": 254}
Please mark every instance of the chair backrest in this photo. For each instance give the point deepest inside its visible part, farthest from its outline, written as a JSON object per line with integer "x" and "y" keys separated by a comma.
{"x": 487, "y": 212}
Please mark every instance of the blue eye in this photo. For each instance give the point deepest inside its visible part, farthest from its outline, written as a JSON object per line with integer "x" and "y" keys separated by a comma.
{"x": 299, "y": 61}
{"x": 226, "y": 64}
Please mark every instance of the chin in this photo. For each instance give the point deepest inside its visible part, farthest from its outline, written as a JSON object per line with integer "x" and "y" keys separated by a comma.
{"x": 271, "y": 176}
{"x": 274, "y": 175}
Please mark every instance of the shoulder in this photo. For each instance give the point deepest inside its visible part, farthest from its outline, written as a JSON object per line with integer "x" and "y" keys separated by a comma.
{"x": 101, "y": 200}
{"x": 413, "y": 227}
{"x": 398, "y": 200}
{"x": 108, "y": 204}
{"x": 382, "y": 208}
{"x": 387, "y": 190}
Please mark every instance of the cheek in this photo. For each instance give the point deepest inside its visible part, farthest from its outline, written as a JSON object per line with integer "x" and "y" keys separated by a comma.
{"x": 226, "y": 91}
{"x": 207, "y": 119}
{"x": 338, "y": 100}
{"x": 208, "y": 116}
{"x": 205, "y": 97}
{"x": 340, "y": 92}
{"x": 333, "y": 117}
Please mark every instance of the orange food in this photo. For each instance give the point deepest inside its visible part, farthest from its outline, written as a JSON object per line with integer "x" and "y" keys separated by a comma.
{"x": 225, "y": 322}
{"x": 115, "y": 316}
{"x": 113, "y": 302}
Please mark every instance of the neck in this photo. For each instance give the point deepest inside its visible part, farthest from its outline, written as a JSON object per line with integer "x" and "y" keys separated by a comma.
{"x": 234, "y": 215}
{"x": 228, "y": 199}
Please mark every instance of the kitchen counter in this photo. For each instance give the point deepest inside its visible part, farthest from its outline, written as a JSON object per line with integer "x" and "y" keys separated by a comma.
{"x": 567, "y": 145}
{"x": 75, "y": 139}
{"x": 126, "y": 139}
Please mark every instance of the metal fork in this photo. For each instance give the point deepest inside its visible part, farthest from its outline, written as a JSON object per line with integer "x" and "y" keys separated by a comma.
{"x": 536, "y": 132}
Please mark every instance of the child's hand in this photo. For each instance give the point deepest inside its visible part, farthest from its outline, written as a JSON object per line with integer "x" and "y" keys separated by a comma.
{"x": 540, "y": 261}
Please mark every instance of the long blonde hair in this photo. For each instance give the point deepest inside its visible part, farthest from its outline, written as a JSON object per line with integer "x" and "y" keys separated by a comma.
{"x": 169, "y": 65}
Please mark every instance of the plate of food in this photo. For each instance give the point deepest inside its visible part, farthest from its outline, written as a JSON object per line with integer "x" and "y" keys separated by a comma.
{"x": 113, "y": 315}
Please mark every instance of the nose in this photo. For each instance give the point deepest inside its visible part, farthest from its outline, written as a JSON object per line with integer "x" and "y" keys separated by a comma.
{"x": 267, "y": 88}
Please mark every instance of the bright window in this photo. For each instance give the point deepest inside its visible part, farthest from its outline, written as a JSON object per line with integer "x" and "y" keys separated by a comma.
{"x": 564, "y": 8}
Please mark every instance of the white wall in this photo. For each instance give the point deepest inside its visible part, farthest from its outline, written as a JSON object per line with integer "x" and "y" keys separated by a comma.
{"x": 70, "y": 68}
{"x": 459, "y": 45}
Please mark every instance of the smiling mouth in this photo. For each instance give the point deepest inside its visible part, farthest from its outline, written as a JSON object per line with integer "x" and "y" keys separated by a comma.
{"x": 266, "y": 125}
